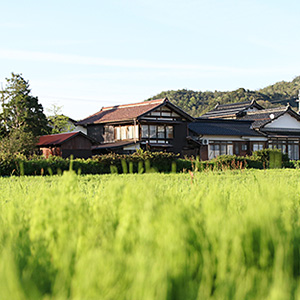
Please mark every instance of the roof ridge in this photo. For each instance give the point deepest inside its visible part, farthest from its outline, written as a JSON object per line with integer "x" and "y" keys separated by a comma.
{"x": 268, "y": 110}
{"x": 62, "y": 133}
{"x": 235, "y": 103}
{"x": 134, "y": 104}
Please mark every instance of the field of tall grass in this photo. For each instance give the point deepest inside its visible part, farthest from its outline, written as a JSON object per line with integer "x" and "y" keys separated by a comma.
{"x": 210, "y": 235}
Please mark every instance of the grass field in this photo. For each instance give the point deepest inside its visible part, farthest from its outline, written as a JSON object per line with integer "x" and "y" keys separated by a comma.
{"x": 218, "y": 235}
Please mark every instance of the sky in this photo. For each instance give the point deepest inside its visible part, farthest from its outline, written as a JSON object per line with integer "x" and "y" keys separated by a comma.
{"x": 83, "y": 55}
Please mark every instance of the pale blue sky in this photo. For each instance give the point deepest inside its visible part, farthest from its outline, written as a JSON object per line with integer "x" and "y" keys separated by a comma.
{"x": 83, "y": 55}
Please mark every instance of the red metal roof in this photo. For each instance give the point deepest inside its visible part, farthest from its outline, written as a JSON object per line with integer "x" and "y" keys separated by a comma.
{"x": 56, "y": 139}
{"x": 122, "y": 112}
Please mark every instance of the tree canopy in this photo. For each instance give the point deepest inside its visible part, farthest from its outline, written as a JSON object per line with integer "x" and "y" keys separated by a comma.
{"x": 20, "y": 109}
{"x": 197, "y": 103}
{"x": 58, "y": 122}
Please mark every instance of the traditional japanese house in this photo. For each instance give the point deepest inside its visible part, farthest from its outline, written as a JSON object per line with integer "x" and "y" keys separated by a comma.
{"x": 156, "y": 125}
{"x": 232, "y": 110}
{"x": 280, "y": 126}
{"x": 77, "y": 144}
{"x": 218, "y": 137}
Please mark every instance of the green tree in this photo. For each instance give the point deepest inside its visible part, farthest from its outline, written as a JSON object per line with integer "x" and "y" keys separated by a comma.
{"x": 18, "y": 141}
{"x": 58, "y": 122}
{"x": 20, "y": 109}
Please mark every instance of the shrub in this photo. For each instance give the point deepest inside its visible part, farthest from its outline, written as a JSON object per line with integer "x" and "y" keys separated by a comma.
{"x": 100, "y": 164}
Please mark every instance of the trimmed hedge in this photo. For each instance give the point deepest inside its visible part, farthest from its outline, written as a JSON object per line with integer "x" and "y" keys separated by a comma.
{"x": 138, "y": 162}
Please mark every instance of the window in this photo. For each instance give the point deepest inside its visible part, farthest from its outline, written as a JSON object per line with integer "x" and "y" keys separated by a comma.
{"x": 118, "y": 133}
{"x": 123, "y": 133}
{"x": 244, "y": 147}
{"x": 161, "y": 132}
{"x": 126, "y": 132}
{"x": 237, "y": 149}
{"x": 145, "y": 132}
{"x": 223, "y": 149}
{"x": 130, "y": 132}
{"x": 169, "y": 132}
{"x": 287, "y": 147}
{"x": 230, "y": 149}
{"x": 152, "y": 131}
{"x": 219, "y": 148}
{"x": 258, "y": 146}
{"x": 293, "y": 151}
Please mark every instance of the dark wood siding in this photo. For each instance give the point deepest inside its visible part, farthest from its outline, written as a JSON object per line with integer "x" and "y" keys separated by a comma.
{"x": 77, "y": 142}
{"x": 180, "y": 133}
{"x": 78, "y": 146}
{"x": 96, "y": 132}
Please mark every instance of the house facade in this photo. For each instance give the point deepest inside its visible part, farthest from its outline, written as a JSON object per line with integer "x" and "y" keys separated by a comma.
{"x": 159, "y": 125}
{"x": 230, "y": 137}
{"x": 279, "y": 126}
{"x": 156, "y": 125}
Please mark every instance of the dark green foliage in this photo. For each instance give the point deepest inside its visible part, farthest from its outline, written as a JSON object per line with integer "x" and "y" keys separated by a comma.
{"x": 283, "y": 91}
{"x": 139, "y": 162}
{"x": 277, "y": 158}
{"x": 17, "y": 142}
{"x": 20, "y": 109}
{"x": 101, "y": 164}
{"x": 197, "y": 103}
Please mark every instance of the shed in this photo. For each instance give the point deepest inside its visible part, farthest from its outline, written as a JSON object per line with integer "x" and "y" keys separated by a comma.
{"x": 76, "y": 143}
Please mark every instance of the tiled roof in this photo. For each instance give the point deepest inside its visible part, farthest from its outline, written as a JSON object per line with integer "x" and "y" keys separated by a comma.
{"x": 56, "y": 139}
{"x": 262, "y": 117}
{"x": 122, "y": 112}
{"x": 230, "y": 109}
{"x": 222, "y": 127}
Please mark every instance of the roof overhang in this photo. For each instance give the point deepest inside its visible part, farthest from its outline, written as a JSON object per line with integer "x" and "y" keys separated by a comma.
{"x": 172, "y": 106}
{"x": 115, "y": 145}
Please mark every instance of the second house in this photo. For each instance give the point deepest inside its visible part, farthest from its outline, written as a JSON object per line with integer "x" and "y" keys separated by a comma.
{"x": 151, "y": 125}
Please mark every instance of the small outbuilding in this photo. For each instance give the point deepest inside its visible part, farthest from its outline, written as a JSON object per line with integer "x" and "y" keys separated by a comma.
{"x": 66, "y": 144}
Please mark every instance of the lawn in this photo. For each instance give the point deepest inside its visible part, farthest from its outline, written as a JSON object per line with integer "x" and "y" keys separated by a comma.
{"x": 213, "y": 235}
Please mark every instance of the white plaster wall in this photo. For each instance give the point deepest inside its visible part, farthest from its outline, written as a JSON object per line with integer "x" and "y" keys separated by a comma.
{"x": 252, "y": 109}
{"x": 80, "y": 128}
{"x": 285, "y": 121}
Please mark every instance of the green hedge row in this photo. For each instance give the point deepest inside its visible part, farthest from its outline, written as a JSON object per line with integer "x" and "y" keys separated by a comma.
{"x": 139, "y": 162}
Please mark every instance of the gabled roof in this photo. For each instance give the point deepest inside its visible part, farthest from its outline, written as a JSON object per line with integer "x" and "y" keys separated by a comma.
{"x": 262, "y": 117}
{"x": 223, "y": 127}
{"x": 231, "y": 109}
{"x": 121, "y": 112}
{"x": 58, "y": 139}
{"x": 128, "y": 112}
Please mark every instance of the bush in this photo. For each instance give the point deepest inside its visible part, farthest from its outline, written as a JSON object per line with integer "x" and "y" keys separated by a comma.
{"x": 101, "y": 164}
{"x": 264, "y": 157}
{"x": 138, "y": 162}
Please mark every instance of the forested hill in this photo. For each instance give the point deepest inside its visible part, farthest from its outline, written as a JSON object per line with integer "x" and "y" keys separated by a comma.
{"x": 197, "y": 103}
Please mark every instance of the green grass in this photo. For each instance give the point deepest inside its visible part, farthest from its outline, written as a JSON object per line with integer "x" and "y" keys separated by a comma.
{"x": 218, "y": 235}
